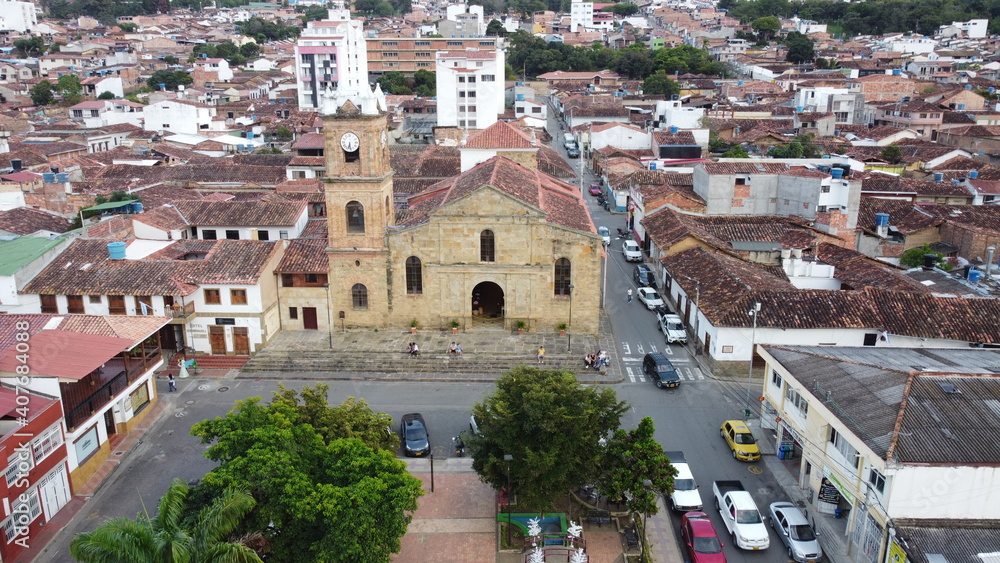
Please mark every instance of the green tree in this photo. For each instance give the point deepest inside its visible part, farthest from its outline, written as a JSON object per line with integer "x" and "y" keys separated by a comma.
{"x": 249, "y": 50}
{"x": 312, "y": 13}
{"x": 660, "y": 85}
{"x": 106, "y": 96}
{"x": 800, "y": 48}
{"x": 164, "y": 538}
{"x": 366, "y": 6}
{"x": 736, "y": 152}
{"x": 496, "y": 28}
{"x": 170, "y": 60}
{"x": 892, "y": 153}
{"x": 623, "y": 9}
{"x": 634, "y": 63}
{"x": 629, "y": 459}
{"x": 766, "y": 27}
{"x": 30, "y": 47}
{"x": 283, "y": 133}
{"x": 127, "y": 27}
{"x": 425, "y": 83}
{"x": 170, "y": 79}
{"x": 319, "y": 497}
{"x": 41, "y": 93}
{"x": 394, "y": 82}
{"x": 915, "y": 256}
{"x": 550, "y": 425}
{"x": 351, "y": 419}
{"x": 70, "y": 89}
{"x": 384, "y": 9}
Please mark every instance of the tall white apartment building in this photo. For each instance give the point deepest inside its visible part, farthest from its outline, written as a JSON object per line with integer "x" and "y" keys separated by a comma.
{"x": 470, "y": 88}
{"x": 331, "y": 55}
{"x": 17, "y": 16}
{"x": 581, "y": 14}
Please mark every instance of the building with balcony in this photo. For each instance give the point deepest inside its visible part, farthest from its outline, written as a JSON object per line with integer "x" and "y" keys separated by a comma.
{"x": 922, "y": 117}
{"x": 884, "y": 438}
{"x": 410, "y": 54}
{"x": 276, "y": 219}
{"x": 470, "y": 88}
{"x": 99, "y": 369}
{"x": 330, "y": 54}
{"x": 218, "y": 295}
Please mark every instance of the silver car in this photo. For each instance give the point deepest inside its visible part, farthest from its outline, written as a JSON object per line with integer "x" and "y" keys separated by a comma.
{"x": 795, "y": 532}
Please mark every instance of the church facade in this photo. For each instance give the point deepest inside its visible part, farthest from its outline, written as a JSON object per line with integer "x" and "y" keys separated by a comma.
{"x": 498, "y": 245}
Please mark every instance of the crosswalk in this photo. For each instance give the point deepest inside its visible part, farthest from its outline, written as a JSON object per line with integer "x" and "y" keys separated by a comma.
{"x": 633, "y": 353}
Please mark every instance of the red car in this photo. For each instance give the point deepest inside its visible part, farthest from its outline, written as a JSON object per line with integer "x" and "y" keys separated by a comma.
{"x": 700, "y": 540}
{"x": 595, "y": 189}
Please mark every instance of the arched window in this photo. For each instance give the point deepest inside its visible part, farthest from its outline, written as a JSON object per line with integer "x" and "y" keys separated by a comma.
{"x": 562, "y": 279}
{"x": 487, "y": 251}
{"x": 355, "y": 217}
{"x": 414, "y": 276}
{"x": 359, "y": 294}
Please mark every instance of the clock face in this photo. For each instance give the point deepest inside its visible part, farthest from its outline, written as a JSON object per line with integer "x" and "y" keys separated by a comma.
{"x": 350, "y": 142}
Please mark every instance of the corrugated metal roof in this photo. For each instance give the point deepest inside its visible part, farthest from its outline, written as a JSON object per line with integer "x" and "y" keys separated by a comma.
{"x": 955, "y": 541}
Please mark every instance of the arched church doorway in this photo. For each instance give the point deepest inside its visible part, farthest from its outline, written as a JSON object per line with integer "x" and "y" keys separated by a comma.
{"x": 487, "y": 302}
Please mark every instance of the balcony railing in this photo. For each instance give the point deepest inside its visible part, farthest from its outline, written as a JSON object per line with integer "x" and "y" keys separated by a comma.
{"x": 179, "y": 311}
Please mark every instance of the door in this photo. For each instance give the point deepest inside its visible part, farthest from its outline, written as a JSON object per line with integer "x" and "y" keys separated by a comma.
{"x": 55, "y": 491}
{"x": 109, "y": 422}
{"x": 241, "y": 340}
{"x": 309, "y": 318}
{"x": 217, "y": 339}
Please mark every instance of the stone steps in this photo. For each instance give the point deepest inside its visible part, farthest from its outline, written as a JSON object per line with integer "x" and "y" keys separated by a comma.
{"x": 400, "y": 363}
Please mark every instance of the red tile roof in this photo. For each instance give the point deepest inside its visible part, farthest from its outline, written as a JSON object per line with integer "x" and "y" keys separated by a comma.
{"x": 500, "y": 135}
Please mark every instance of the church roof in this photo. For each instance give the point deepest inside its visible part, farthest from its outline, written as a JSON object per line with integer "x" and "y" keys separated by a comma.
{"x": 500, "y": 135}
{"x": 561, "y": 202}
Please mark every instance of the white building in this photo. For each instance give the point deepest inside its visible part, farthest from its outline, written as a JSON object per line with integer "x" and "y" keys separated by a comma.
{"x": 470, "y": 88}
{"x": 670, "y": 113}
{"x": 469, "y": 19}
{"x": 974, "y": 29}
{"x": 805, "y": 27}
{"x": 179, "y": 116}
{"x": 844, "y": 105}
{"x": 17, "y": 16}
{"x": 581, "y": 14}
{"x": 916, "y": 44}
{"x": 331, "y": 55}
{"x": 213, "y": 220}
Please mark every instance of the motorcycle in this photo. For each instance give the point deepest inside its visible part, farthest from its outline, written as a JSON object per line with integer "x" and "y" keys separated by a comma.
{"x": 458, "y": 446}
{"x": 622, "y": 233}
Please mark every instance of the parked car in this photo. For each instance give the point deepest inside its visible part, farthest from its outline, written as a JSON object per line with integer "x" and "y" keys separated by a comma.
{"x": 632, "y": 252}
{"x": 795, "y": 532}
{"x": 660, "y": 370}
{"x": 740, "y": 514}
{"x": 605, "y": 234}
{"x": 644, "y": 276}
{"x": 473, "y": 425}
{"x": 700, "y": 539}
{"x": 739, "y": 439}
{"x": 416, "y": 440}
{"x": 573, "y": 152}
{"x": 672, "y": 328}
{"x": 685, "y": 496}
{"x": 650, "y": 298}
{"x": 595, "y": 189}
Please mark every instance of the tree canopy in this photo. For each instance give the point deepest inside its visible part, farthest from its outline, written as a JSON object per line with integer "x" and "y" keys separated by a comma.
{"x": 629, "y": 459}
{"x": 327, "y": 486}
{"x": 659, "y": 84}
{"x": 550, "y": 425}
{"x": 766, "y": 27}
{"x": 800, "y": 48}
{"x": 41, "y": 93}
{"x": 495, "y": 27}
{"x": 915, "y": 257}
{"x": 623, "y": 9}
{"x": 166, "y": 538}
{"x": 170, "y": 79}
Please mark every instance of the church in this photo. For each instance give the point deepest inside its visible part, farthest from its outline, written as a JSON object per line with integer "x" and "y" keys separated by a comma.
{"x": 500, "y": 245}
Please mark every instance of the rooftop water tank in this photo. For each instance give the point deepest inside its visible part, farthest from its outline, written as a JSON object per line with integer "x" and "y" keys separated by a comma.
{"x": 973, "y": 174}
{"x": 673, "y": 129}
{"x": 897, "y": 72}
{"x": 48, "y": 177}
{"x": 116, "y": 250}
{"x": 974, "y": 275}
{"x": 62, "y": 177}
{"x": 938, "y": 177}
{"x": 882, "y": 219}
{"x": 837, "y": 173}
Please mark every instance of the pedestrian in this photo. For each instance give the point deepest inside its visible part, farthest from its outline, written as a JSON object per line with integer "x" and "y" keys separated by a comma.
{"x": 541, "y": 354}
{"x": 458, "y": 349}
{"x": 416, "y": 350}
{"x": 453, "y": 349}
{"x": 171, "y": 384}
{"x": 630, "y": 295}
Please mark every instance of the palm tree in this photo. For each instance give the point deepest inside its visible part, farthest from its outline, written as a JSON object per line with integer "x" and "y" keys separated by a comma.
{"x": 162, "y": 539}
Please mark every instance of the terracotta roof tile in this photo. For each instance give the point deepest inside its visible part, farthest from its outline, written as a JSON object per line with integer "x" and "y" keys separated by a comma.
{"x": 305, "y": 257}
{"x": 236, "y": 214}
{"x": 25, "y": 221}
{"x": 500, "y": 135}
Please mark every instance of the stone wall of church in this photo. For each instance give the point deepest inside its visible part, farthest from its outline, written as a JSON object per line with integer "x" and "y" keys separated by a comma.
{"x": 527, "y": 159}
{"x": 524, "y": 267}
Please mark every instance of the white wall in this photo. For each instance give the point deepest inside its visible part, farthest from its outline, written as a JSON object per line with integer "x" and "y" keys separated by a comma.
{"x": 620, "y": 137}
{"x": 450, "y": 68}
{"x": 176, "y": 118}
{"x": 957, "y": 492}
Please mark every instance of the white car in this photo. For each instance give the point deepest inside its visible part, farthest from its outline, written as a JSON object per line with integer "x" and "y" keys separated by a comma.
{"x": 605, "y": 234}
{"x": 632, "y": 252}
{"x": 795, "y": 532}
{"x": 685, "y": 497}
{"x": 650, "y": 298}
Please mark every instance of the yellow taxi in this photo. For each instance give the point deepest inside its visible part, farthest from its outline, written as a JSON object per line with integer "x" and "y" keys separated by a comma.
{"x": 740, "y": 440}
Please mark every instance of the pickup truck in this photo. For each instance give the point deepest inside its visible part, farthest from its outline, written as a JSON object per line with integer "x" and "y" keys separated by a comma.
{"x": 740, "y": 515}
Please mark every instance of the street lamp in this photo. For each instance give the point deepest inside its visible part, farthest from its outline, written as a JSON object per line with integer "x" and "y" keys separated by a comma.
{"x": 569, "y": 334}
{"x": 329, "y": 314}
{"x": 753, "y": 335}
{"x": 507, "y": 458}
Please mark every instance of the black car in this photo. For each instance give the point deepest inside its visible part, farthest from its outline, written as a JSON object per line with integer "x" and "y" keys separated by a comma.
{"x": 416, "y": 441}
{"x": 660, "y": 370}
{"x": 644, "y": 276}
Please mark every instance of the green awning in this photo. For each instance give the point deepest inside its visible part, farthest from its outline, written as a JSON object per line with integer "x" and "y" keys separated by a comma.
{"x": 109, "y": 205}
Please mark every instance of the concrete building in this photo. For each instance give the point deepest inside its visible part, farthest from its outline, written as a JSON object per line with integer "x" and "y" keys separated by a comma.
{"x": 408, "y": 55}
{"x": 463, "y": 20}
{"x": 470, "y": 88}
{"x": 100, "y": 368}
{"x": 17, "y": 16}
{"x": 180, "y": 116}
{"x": 213, "y": 220}
{"x": 581, "y": 15}
{"x": 330, "y": 54}
{"x": 878, "y": 440}
{"x": 922, "y": 117}
{"x": 846, "y": 107}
